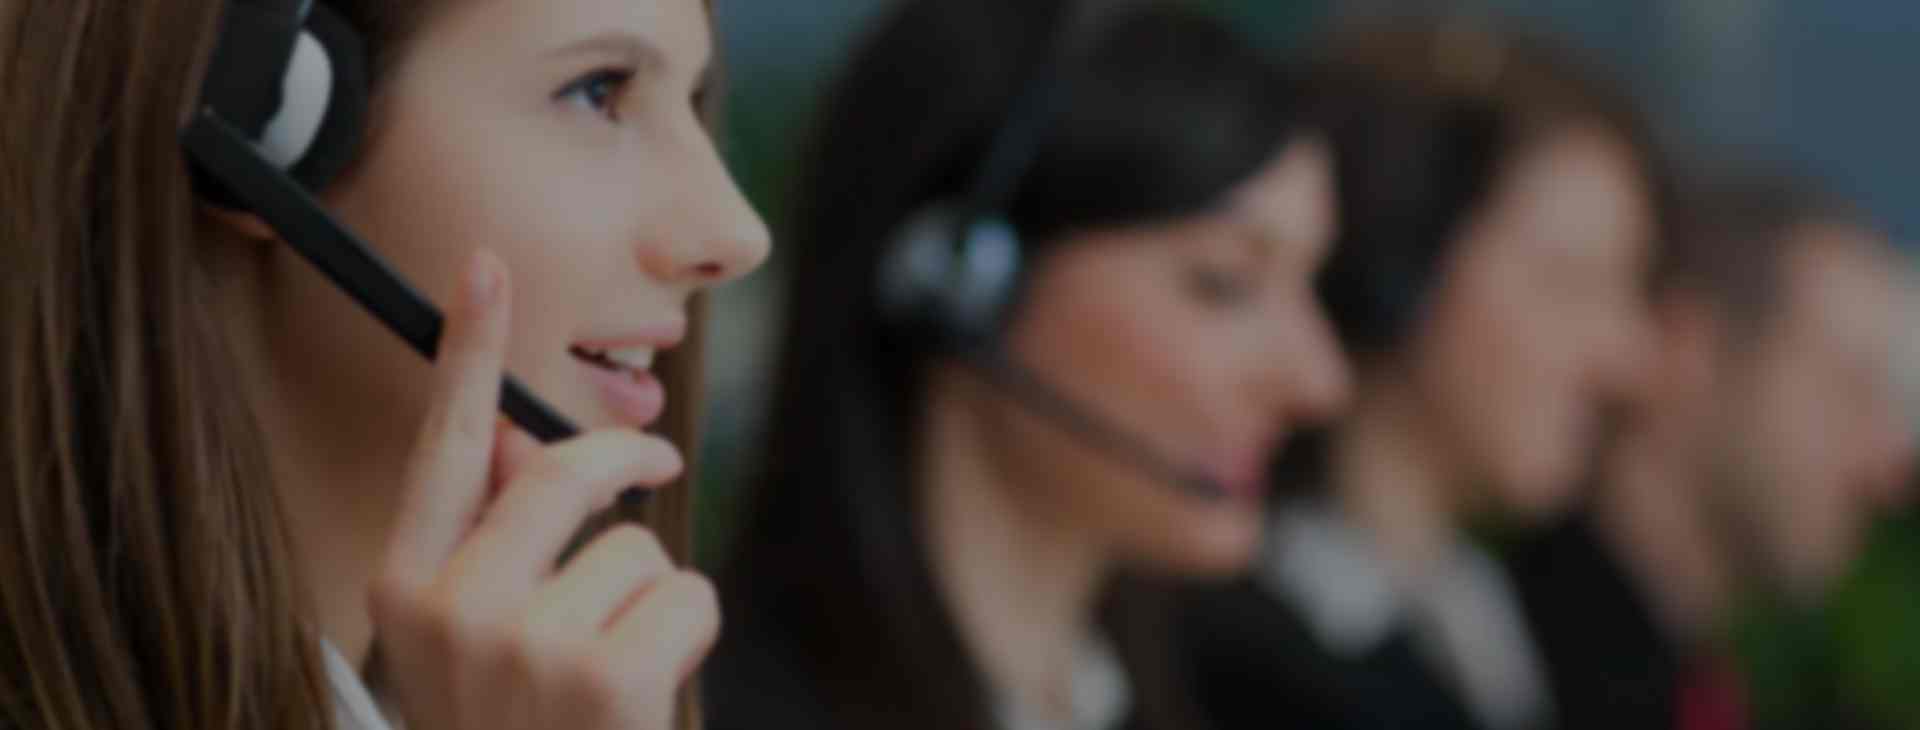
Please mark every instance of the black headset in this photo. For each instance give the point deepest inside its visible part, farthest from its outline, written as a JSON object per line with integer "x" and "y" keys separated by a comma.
{"x": 954, "y": 268}
{"x": 282, "y": 111}
{"x": 290, "y": 76}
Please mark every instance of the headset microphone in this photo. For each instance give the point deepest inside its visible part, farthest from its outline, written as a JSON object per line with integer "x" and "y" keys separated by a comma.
{"x": 282, "y": 110}
{"x": 953, "y": 269}
{"x": 1041, "y": 397}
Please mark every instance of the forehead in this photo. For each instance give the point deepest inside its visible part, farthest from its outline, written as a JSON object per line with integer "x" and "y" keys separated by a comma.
{"x": 1292, "y": 198}
{"x": 1581, "y": 179}
{"x": 1843, "y": 287}
{"x": 510, "y": 29}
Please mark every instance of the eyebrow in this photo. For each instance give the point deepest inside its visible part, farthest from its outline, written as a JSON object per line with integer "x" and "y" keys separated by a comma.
{"x": 638, "y": 51}
{"x": 1265, "y": 241}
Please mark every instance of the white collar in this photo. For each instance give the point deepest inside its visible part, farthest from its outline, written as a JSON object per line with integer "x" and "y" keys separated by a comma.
{"x": 1102, "y": 694}
{"x": 1317, "y": 563}
{"x": 1465, "y": 616}
{"x": 354, "y": 707}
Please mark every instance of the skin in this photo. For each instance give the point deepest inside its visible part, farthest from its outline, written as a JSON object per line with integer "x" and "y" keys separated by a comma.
{"x": 554, "y": 143}
{"x": 1200, "y": 335}
{"x": 1537, "y": 322}
{"x": 1759, "y": 464}
{"x": 1815, "y": 442}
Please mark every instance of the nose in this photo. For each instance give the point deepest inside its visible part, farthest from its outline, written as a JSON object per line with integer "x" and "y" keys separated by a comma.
{"x": 710, "y": 235}
{"x": 1310, "y": 376}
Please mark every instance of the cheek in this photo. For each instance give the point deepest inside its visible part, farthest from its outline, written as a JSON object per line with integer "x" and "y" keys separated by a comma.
{"x": 1806, "y": 446}
{"x": 1782, "y": 466}
{"x": 1142, "y": 361}
{"x": 436, "y": 191}
{"x": 1501, "y": 373}
{"x": 1147, "y": 365}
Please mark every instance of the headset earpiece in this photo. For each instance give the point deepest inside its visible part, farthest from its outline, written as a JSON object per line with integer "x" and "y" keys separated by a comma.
{"x": 293, "y": 79}
{"x": 344, "y": 123}
{"x": 950, "y": 277}
{"x": 914, "y": 265}
{"x": 989, "y": 272}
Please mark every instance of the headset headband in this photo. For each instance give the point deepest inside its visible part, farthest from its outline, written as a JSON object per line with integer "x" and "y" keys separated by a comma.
{"x": 1015, "y": 147}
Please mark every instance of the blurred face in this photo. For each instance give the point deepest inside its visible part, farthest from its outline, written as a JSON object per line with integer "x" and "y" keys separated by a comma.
{"x": 1815, "y": 440}
{"x": 1203, "y": 337}
{"x": 562, "y": 135}
{"x": 1537, "y": 319}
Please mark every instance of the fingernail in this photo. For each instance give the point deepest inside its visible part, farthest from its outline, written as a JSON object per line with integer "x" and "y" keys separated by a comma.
{"x": 483, "y": 281}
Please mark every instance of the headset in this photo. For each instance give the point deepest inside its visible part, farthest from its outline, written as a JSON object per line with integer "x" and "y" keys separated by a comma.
{"x": 282, "y": 112}
{"x": 954, "y": 269}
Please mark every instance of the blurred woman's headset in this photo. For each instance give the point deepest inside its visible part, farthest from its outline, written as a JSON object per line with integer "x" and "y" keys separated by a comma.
{"x": 953, "y": 269}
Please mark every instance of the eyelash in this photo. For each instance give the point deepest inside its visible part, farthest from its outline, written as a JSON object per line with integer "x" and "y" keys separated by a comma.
{"x": 605, "y": 84}
{"x": 1216, "y": 288}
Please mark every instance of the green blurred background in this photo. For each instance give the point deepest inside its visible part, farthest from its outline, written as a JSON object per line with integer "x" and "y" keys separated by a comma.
{"x": 1818, "y": 84}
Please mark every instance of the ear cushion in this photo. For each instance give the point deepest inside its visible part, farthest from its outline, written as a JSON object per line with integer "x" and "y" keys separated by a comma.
{"x": 916, "y": 266}
{"x": 344, "y": 122}
{"x": 989, "y": 273}
{"x": 952, "y": 278}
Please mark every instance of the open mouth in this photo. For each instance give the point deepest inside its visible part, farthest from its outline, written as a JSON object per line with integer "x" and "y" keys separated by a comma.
{"x": 632, "y": 362}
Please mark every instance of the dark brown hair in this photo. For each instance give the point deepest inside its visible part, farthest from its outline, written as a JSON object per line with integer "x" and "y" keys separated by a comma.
{"x": 1732, "y": 233}
{"x": 146, "y": 576}
{"x": 1425, "y": 119}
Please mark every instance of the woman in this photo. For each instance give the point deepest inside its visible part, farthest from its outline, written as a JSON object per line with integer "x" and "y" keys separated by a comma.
{"x": 937, "y": 545}
{"x": 1499, "y": 209}
{"x": 225, "y": 485}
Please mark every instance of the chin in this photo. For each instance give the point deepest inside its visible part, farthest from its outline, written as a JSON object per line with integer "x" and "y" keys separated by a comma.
{"x": 1539, "y": 489}
{"x": 1809, "y": 586}
{"x": 1220, "y": 547}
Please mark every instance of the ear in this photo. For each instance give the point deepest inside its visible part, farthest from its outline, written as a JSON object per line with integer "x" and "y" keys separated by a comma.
{"x": 246, "y": 226}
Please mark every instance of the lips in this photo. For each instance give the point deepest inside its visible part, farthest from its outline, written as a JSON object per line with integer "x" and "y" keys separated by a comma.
{"x": 1242, "y": 470}
{"x": 621, "y": 370}
{"x": 631, "y": 361}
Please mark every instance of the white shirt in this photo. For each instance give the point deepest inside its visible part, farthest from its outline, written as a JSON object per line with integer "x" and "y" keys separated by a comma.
{"x": 354, "y": 707}
{"x": 1465, "y": 615}
{"x": 1102, "y": 695}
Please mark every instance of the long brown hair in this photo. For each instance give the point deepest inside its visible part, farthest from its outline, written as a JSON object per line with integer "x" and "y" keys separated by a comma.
{"x": 147, "y": 579}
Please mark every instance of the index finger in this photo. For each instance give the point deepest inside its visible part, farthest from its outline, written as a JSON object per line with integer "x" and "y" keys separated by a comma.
{"x": 446, "y": 481}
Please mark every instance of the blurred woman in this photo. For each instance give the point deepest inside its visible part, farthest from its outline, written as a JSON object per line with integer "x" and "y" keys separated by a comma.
{"x": 226, "y": 492}
{"x": 1498, "y": 211}
{"x": 936, "y": 543}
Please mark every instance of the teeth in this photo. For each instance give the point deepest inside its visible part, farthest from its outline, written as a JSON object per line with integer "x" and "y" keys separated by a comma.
{"x": 632, "y": 358}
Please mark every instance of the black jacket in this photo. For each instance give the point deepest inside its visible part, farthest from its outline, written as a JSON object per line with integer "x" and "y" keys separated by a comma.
{"x": 1608, "y": 664}
{"x": 1255, "y": 664}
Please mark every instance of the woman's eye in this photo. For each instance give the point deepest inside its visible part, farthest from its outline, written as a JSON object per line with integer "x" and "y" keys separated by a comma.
{"x": 1218, "y": 288}
{"x": 597, "y": 91}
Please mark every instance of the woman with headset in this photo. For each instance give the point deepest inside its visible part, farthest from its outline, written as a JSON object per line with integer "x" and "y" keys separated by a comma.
{"x": 1053, "y": 312}
{"x": 228, "y": 497}
{"x": 1499, "y": 213}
